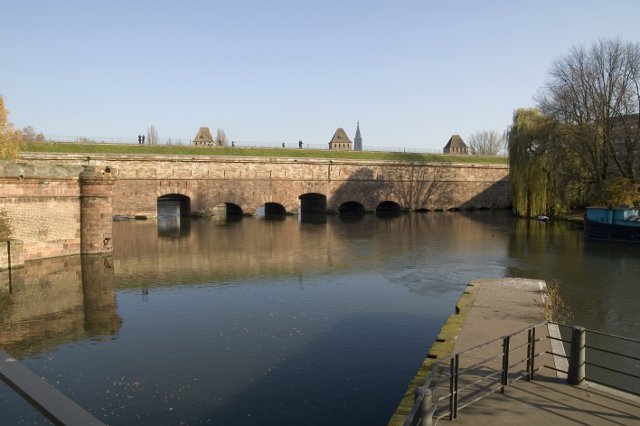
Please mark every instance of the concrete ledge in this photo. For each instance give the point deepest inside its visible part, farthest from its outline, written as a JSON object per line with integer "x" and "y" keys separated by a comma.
{"x": 442, "y": 347}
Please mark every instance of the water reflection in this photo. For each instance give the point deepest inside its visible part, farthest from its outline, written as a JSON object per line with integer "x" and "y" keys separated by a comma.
{"x": 52, "y": 302}
{"x": 257, "y": 248}
{"x": 313, "y": 218}
{"x": 174, "y": 226}
{"x": 388, "y": 214}
{"x": 290, "y": 321}
{"x": 597, "y": 280}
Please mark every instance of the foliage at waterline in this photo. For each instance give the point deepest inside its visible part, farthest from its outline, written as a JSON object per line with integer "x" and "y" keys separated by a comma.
{"x": 553, "y": 305}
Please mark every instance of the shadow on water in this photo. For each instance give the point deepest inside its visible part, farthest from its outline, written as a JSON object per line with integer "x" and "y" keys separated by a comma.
{"x": 351, "y": 217}
{"x": 388, "y": 214}
{"x": 315, "y": 387}
{"x": 312, "y": 218}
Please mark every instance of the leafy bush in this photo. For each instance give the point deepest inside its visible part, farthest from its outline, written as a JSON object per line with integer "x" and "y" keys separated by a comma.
{"x": 618, "y": 192}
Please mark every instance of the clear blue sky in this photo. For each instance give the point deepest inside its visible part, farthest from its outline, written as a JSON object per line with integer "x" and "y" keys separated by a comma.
{"x": 412, "y": 72}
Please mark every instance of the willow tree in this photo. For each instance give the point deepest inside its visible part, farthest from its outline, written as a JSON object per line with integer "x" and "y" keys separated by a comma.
{"x": 532, "y": 181}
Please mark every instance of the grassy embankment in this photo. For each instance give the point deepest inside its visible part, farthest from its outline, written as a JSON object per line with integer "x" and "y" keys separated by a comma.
{"x": 99, "y": 148}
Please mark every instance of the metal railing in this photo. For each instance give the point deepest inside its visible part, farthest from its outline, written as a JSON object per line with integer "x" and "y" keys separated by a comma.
{"x": 49, "y": 401}
{"x": 602, "y": 358}
{"x": 454, "y": 382}
{"x": 132, "y": 140}
{"x": 457, "y": 381}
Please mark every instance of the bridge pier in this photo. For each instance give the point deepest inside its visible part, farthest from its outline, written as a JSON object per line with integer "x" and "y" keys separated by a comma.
{"x": 96, "y": 210}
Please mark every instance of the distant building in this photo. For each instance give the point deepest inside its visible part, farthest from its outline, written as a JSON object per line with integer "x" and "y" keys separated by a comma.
{"x": 456, "y": 146}
{"x": 340, "y": 141}
{"x": 357, "y": 141}
{"x": 204, "y": 138}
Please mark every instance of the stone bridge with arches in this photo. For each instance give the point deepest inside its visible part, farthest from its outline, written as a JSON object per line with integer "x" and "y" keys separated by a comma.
{"x": 216, "y": 185}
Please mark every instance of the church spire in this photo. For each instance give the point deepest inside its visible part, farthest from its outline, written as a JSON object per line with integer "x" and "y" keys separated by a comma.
{"x": 357, "y": 140}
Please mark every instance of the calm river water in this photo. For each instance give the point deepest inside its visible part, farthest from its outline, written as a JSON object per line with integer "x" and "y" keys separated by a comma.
{"x": 281, "y": 322}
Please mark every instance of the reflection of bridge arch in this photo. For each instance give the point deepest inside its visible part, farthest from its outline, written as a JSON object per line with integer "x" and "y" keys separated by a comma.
{"x": 351, "y": 207}
{"x": 173, "y": 205}
{"x": 313, "y": 203}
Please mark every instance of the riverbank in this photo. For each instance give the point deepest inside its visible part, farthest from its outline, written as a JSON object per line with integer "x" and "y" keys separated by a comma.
{"x": 498, "y": 307}
{"x": 487, "y": 308}
{"x": 442, "y": 347}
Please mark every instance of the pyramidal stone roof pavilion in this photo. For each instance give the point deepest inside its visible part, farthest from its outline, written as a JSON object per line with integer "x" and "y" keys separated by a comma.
{"x": 456, "y": 146}
{"x": 204, "y": 138}
{"x": 340, "y": 141}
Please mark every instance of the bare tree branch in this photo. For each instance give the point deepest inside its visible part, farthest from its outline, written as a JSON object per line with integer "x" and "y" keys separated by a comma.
{"x": 486, "y": 142}
{"x": 595, "y": 89}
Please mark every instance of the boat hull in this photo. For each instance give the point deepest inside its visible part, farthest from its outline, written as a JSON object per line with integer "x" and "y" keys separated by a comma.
{"x": 606, "y": 231}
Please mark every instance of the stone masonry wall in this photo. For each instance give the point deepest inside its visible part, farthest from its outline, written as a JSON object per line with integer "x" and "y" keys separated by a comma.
{"x": 43, "y": 197}
{"x": 44, "y": 213}
{"x": 251, "y": 182}
{"x": 56, "y": 208}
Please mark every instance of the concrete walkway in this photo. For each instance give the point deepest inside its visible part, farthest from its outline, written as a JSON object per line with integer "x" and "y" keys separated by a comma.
{"x": 504, "y": 306}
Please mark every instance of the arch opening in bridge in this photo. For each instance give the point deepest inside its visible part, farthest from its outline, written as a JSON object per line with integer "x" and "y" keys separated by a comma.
{"x": 271, "y": 211}
{"x": 172, "y": 208}
{"x": 173, "y": 205}
{"x": 227, "y": 210}
{"x": 233, "y": 209}
{"x": 388, "y": 209}
{"x": 313, "y": 203}
{"x": 351, "y": 208}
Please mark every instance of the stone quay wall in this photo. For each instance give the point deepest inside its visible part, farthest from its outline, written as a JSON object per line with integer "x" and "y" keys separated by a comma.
{"x": 42, "y": 202}
{"x": 250, "y": 182}
{"x": 42, "y": 206}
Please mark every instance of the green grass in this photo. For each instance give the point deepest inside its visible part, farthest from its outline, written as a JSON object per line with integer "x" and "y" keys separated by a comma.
{"x": 99, "y": 148}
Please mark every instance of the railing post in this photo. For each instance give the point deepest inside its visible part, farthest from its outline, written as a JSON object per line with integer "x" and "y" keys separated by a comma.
{"x": 505, "y": 363}
{"x": 577, "y": 356}
{"x": 426, "y": 407}
{"x": 531, "y": 352}
{"x": 453, "y": 388}
{"x": 455, "y": 384}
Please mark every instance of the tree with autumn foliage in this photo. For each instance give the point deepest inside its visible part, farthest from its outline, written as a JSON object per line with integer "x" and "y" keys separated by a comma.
{"x": 10, "y": 139}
